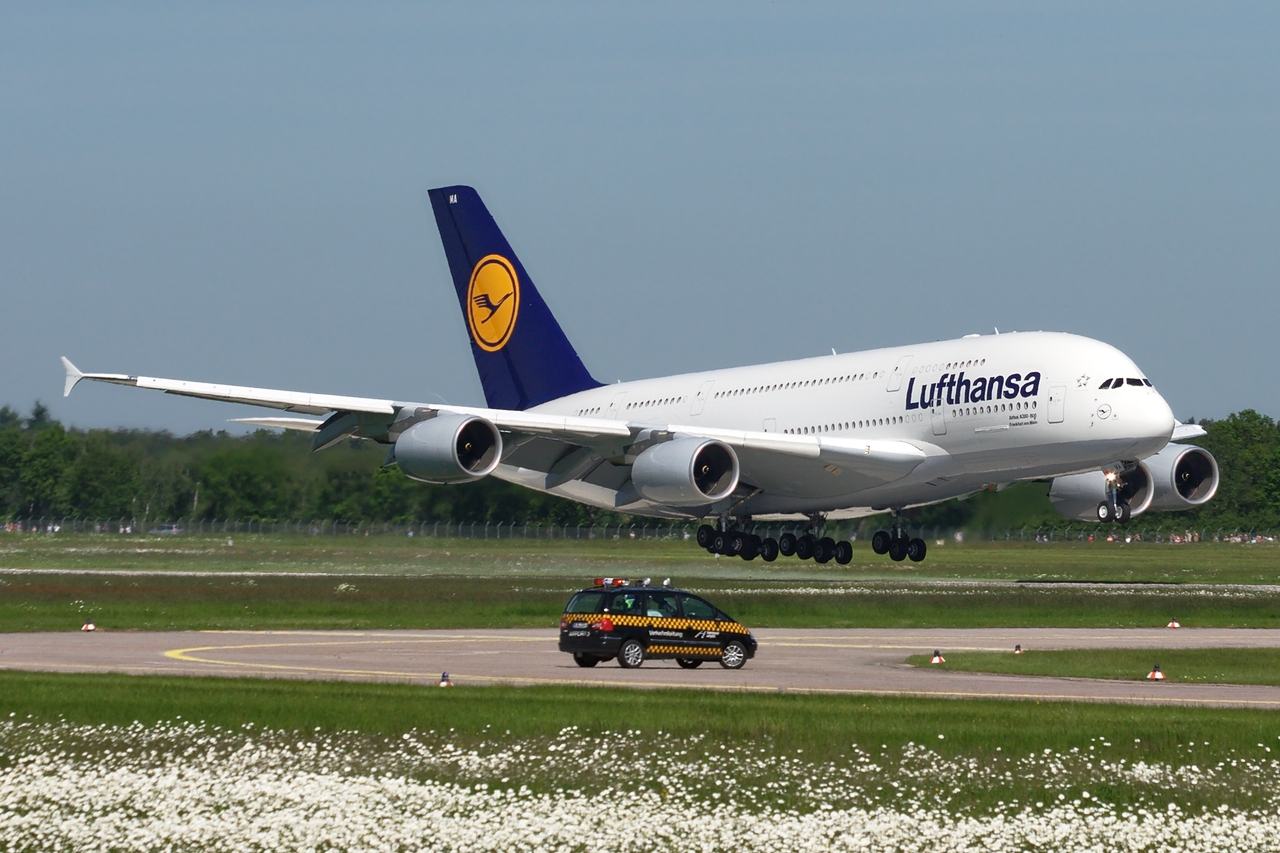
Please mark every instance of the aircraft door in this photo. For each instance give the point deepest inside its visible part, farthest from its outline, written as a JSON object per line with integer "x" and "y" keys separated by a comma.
{"x": 899, "y": 371}
{"x": 615, "y": 406}
{"x": 1057, "y": 403}
{"x": 939, "y": 420}
{"x": 700, "y": 399}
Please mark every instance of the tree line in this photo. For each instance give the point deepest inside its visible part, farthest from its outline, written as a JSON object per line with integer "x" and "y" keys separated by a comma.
{"x": 49, "y": 470}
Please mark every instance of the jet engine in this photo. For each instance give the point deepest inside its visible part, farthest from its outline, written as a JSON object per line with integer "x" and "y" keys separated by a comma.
{"x": 1183, "y": 475}
{"x": 1078, "y": 495}
{"x": 686, "y": 472}
{"x": 449, "y": 449}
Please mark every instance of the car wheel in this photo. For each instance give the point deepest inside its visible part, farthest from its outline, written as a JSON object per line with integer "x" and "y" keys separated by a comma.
{"x": 844, "y": 553}
{"x": 769, "y": 550}
{"x": 688, "y": 663}
{"x": 898, "y": 550}
{"x": 630, "y": 654}
{"x": 787, "y": 544}
{"x": 705, "y": 534}
{"x": 804, "y": 547}
{"x": 880, "y": 542}
{"x": 734, "y": 655}
{"x": 585, "y": 660}
{"x": 916, "y": 549}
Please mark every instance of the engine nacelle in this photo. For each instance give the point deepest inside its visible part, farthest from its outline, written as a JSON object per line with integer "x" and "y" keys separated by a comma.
{"x": 686, "y": 472}
{"x": 1078, "y": 495}
{"x": 1184, "y": 476}
{"x": 449, "y": 449}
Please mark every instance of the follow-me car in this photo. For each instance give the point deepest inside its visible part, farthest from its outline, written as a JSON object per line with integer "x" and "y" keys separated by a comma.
{"x": 832, "y": 437}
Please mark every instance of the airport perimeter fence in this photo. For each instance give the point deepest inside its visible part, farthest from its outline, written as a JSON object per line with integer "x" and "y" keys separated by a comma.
{"x": 851, "y": 530}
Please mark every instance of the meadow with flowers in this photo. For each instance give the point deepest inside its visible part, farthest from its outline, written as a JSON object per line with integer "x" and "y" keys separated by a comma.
{"x": 103, "y": 763}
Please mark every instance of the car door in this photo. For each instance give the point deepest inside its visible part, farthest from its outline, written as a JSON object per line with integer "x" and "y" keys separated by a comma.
{"x": 666, "y": 624}
{"x": 702, "y": 628}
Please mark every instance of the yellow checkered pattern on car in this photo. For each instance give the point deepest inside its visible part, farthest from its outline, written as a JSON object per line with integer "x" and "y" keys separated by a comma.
{"x": 662, "y": 623}
{"x": 684, "y": 651}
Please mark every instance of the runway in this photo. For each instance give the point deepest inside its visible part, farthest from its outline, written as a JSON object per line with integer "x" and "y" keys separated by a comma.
{"x": 855, "y": 662}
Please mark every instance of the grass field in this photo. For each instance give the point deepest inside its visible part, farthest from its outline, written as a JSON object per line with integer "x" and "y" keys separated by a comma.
{"x": 1139, "y": 562}
{"x": 1060, "y": 747}
{"x": 152, "y": 601}
{"x": 1204, "y": 666}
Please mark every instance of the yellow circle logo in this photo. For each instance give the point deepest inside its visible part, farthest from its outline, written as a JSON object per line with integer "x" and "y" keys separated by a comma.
{"x": 493, "y": 300}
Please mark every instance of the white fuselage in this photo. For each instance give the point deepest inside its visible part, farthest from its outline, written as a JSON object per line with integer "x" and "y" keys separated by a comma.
{"x": 985, "y": 409}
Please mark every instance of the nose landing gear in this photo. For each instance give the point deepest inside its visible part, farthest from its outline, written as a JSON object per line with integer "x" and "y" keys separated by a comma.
{"x": 1114, "y": 508}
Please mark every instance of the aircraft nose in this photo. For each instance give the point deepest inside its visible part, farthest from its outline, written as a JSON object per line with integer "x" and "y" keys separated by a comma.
{"x": 1156, "y": 418}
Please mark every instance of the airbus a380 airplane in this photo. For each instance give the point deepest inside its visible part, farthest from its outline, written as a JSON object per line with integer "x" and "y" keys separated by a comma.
{"x": 818, "y": 438}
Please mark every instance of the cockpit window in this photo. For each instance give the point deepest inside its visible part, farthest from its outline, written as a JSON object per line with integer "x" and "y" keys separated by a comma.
{"x": 1147, "y": 382}
{"x": 1105, "y": 385}
{"x": 1132, "y": 381}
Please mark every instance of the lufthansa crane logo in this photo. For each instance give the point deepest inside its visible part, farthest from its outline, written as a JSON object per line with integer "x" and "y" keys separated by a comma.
{"x": 493, "y": 301}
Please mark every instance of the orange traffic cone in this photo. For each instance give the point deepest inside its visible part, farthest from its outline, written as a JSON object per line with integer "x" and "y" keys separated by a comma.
{"x": 1017, "y": 650}
{"x": 937, "y": 657}
{"x": 1173, "y": 623}
{"x": 88, "y": 626}
{"x": 444, "y": 680}
{"x": 1156, "y": 674}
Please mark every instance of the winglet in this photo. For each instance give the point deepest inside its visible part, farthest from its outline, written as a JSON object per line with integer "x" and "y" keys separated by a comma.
{"x": 73, "y": 376}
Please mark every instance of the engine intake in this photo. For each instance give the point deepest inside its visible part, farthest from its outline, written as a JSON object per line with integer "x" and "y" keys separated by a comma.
{"x": 449, "y": 449}
{"x": 686, "y": 472}
{"x": 1184, "y": 475}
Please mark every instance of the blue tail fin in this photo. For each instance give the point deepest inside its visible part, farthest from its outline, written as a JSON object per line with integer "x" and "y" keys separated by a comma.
{"x": 522, "y": 355}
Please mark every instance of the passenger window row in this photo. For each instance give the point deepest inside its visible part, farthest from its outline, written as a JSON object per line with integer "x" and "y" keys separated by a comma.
{"x": 787, "y": 386}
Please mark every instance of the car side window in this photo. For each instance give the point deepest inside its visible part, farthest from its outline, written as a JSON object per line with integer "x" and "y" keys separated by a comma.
{"x": 696, "y": 608}
{"x": 585, "y": 602}
{"x": 662, "y": 605}
{"x": 625, "y": 602}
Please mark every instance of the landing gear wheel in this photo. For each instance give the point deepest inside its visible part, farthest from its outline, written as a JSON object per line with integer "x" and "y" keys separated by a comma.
{"x": 916, "y": 550}
{"x": 719, "y": 544}
{"x": 688, "y": 663}
{"x": 737, "y": 543}
{"x": 1123, "y": 513}
{"x": 769, "y": 550}
{"x": 787, "y": 544}
{"x": 880, "y": 542}
{"x": 1105, "y": 512}
{"x": 750, "y": 549}
{"x": 734, "y": 655}
{"x": 844, "y": 553}
{"x": 804, "y": 547}
{"x": 824, "y": 549}
{"x": 898, "y": 550}
{"x": 630, "y": 654}
{"x": 585, "y": 660}
{"x": 705, "y": 534}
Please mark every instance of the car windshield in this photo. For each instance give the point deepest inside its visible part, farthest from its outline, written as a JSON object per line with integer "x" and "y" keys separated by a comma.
{"x": 624, "y": 602}
{"x": 696, "y": 608}
{"x": 662, "y": 605}
{"x": 585, "y": 602}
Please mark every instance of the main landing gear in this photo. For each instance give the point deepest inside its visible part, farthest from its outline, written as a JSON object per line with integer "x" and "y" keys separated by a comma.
{"x": 897, "y": 544}
{"x": 748, "y": 546}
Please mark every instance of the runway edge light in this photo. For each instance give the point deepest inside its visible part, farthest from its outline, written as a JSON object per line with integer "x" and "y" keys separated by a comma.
{"x": 937, "y": 657}
{"x": 1173, "y": 623}
{"x": 1155, "y": 674}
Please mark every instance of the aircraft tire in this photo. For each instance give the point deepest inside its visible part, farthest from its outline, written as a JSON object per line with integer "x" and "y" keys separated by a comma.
{"x": 823, "y": 550}
{"x": 1123, "y": 513}
{"x": 1105, "y": 512}
{"x": 804, "y": 547}
{"x": 738, "y": 543}
{"x": 844, "y": 552}
{"x": 880, "y": 542}
{"x": 916, "y": 549}
{"x": 787, "y": 544}
{"x": 898, "y": 550}
{"x": 750, "y": 549}
{"x": 769, "y": 550}
{"x": 720, "y": 543}
{"x": 705, "y": 534}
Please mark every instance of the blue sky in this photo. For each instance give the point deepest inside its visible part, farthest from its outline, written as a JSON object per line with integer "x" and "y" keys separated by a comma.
{"x": 235, "y": 193}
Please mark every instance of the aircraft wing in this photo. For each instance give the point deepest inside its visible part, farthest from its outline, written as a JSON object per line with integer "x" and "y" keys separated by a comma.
{"x": 878, "y": 460}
